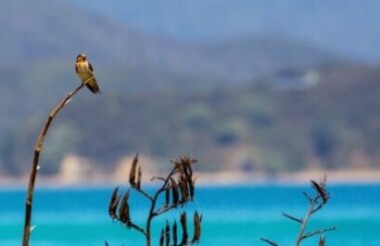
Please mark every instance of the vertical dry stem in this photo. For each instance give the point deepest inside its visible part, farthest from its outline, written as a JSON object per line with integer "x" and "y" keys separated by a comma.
{"x": 33, "y": 172}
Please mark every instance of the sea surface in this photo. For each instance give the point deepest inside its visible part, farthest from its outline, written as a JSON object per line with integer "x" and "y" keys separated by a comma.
{"x": 232, "y": 215}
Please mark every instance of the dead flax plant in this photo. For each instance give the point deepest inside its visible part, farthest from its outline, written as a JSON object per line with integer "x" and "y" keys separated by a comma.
{"x": 177, "y": 189}
{"x": 316, "y": 202}
{"x": 35, "y": 163}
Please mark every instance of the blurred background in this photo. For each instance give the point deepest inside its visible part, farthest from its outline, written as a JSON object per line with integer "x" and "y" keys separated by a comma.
{"x": 253, "y": 87}
{"x": 258, "y": 90}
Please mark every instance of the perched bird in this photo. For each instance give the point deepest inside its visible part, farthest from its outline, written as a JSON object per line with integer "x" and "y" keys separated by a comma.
{"x": 85, "y": 72}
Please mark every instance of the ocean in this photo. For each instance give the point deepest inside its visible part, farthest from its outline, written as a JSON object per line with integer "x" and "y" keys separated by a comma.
{"x": 232, "y": 215}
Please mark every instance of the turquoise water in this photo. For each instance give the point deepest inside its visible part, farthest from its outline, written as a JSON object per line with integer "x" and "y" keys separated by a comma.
{"x": 237, "y": 215}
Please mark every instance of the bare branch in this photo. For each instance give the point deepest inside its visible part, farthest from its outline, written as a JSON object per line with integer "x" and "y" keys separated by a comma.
{"x": 268, "y": 241}
{"x": 313, "y": 233}
{"x": 165, "y": 209}
{"x": 136, "y": 227}
{"x": 35, "y": 164}
{"x": 304, "y": 223}
{"x": 307, "y": 196}
{"x": 317, "y": 208}
{"x": 292, "y": 218}
{"x": 142, "y": 192}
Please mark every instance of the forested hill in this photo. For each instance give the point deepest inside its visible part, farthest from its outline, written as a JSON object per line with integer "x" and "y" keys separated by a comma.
{"x": 333, "y": 123}
{"x": 163, "y": 97}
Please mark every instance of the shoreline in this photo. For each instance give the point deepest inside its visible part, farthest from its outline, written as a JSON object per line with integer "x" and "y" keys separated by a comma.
{"x": 363, "y": 176}
{"x": 334, "y": 177}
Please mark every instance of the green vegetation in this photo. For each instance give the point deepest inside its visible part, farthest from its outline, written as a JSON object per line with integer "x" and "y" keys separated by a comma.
{"x": 259, "y": 126}
{"x": 162, "y": 98}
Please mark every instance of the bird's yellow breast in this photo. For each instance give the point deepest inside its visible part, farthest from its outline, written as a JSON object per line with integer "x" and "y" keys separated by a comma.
{"x": 82, "y": 67}
{"x": 83, "y": 70}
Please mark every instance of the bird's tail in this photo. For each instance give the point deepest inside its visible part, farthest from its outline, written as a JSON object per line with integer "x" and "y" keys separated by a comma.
{"x": 92, "y": 85}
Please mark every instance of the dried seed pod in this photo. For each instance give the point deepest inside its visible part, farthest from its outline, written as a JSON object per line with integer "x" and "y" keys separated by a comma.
{"x": 187, "y": 165}
{"x": 322, "y": 241}
{"x": 185, "y": 234}
{"x": 186, "y": 172}
{"x": 162, "y": 237}
{"x": 124, "y": 215}
{"x": 167, "y": 233}
{"x": 167, "y": 195}
{"x": 184, "y": 189}
{"x": 180, "y": 169}
{"x": 321, "y": 191}
{"x": 197, "y": 227}
{"x": 189, "y": 170}
{"x": 174, "y": 232}
{"x": 177, "y": 164}
{"x": 115, "y": 198}
{"x": 175, "y": 191}
{"x": 186, "y": 160}
{"x": 139, "y": 175}
{"x": 192, "y": 188}
{"x": 132, "y": 173}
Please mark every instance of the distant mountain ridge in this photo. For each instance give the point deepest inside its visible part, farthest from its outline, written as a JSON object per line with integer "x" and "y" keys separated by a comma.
{"x": 54, "y": 32}
{"x": 348, "y": 27}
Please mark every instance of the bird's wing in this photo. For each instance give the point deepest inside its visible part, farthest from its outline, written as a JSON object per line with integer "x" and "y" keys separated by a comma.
{"x": 90, "y": 66}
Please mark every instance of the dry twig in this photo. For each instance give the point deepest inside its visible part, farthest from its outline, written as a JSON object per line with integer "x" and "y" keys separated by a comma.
{"x": 268, "y": 241}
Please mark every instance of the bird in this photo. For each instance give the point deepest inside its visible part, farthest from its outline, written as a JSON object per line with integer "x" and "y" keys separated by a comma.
{"x": 85, "y": 72}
